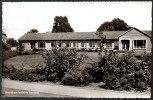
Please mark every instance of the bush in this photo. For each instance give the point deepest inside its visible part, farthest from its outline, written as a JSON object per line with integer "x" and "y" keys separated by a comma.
{"x": 8, "y": 54}
{"x": 121, "y": 73}
{"x": 77, "y": 78}
{"x": 20, "y": 48}
{"x": 30, "y": 75}
{"x": 35, "y": 49}
{"x": 6, "y": 71}
{"x": 27, "y": 52}
{"x": 58, "y": 62}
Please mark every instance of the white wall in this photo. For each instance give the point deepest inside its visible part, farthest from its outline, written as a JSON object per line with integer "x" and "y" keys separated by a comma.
{"x": 48, "y": 46}
{"x": 27, "y": 46}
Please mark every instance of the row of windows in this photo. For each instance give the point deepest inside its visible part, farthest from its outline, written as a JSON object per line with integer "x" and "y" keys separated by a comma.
{"x": 137, "y": 44}
{"x": 70, "y": 44}
{"x": 75, "y": 44}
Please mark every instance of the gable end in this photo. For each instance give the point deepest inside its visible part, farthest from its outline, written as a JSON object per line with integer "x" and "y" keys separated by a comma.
{"x": 136, "y": 30}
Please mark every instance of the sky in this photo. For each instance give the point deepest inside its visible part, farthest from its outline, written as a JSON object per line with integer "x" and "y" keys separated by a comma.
{"x": 20, "y": 17}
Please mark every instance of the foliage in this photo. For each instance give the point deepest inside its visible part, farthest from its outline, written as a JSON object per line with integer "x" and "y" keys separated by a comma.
{"x": 33, "y": 31}
{"x": 12, "y": 42}
{"x": 8, "y": 54}
{"x": 61, "y": 24}
{"x": 20, "y": 49}
{"x": 102, "y": 39}
{"x": 122, "y": 73}
{"x": 6, "y": 46}
{"x": 106, "y": 26}
{"x": 58, "y": 62}
{"x": 77, "y": 78}
{"x": 146, "y": 64}
{"x": 30, "y": 75}
{"x": 115, "y": 25}
{"x": 120, "y": 25}
{"x": 27, "y": 52}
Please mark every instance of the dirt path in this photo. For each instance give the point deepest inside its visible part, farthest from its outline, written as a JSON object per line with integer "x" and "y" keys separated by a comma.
{"x": 69, "y": 90}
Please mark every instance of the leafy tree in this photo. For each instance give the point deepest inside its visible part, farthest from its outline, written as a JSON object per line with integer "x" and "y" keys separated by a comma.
{"x": 119, "y": 25}
{"x": 102, "y": 39}
{"x": 4, "y": 37}
{"x": 12, "y": 42}
{"x": 61, "y": 24}
{"x": 33, "y": 31}
{"x": 106, "y": 26}
{"x": 115, "y": 25}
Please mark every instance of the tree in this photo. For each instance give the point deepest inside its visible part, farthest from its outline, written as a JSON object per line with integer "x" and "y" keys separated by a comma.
{"x": 106, "y": 26}
{"x": 12, "y": 42}
{"x": 102, "y": 39}
{"x": 4, "y": 37}
{"x": 33, "y": 31}
{"x": 115, "y": 25}
{"x": 61, "y": 24}
{"x": 120, "y": 25}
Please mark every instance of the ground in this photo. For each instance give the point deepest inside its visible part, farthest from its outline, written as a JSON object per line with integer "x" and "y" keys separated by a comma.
{"x": 28, "y": 61}
{"x": 32, "y": 61}
{"x": 49, "y": 89}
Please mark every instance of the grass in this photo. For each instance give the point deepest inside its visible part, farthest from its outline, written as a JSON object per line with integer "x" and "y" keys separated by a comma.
{"x": 30, "y": 61}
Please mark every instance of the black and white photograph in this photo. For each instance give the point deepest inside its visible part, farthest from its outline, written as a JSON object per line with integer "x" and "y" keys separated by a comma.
{"x": 76, "y": 49}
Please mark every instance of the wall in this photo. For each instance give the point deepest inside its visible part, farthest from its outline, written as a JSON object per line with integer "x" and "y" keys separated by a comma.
{"x": 136, "y": 35}
{"x": 27, "y": 46}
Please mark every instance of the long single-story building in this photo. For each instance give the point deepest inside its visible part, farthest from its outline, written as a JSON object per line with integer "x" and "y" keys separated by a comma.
{"x": 131, "y": 40}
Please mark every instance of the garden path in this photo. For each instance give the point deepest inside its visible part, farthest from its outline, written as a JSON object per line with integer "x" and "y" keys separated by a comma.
{"x": 70, "y": 90}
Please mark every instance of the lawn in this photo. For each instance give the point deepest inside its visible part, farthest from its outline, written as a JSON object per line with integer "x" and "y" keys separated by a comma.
{"x": 27, "y": 61}
{"x": 31, "y": 61}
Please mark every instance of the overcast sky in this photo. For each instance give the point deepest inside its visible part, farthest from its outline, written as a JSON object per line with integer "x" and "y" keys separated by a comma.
{"x": 20, "y": 17}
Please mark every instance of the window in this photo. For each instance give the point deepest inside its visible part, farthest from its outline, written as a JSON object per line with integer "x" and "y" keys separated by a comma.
{"x": 52, "y": 44}
{"x": 139, "y": 44}
{"x": 32, "y": 45}
{"x": 90, "y": 43}
{"x": 82, "y": 44}
{"x": 67, "y": 44}
{"x": 60, "y": 45}
{"x": 109, "y": 44}
{"x": 41, "y": 44}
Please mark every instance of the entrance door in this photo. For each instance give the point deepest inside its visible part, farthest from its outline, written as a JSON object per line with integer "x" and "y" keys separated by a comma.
{"x": 32, "y": 45}
{"x": 125, "y": 44}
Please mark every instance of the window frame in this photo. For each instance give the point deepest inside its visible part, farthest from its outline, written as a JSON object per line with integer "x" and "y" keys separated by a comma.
{"x": 110, "y": 44}
{"x": 144, "y": 46}
{"x": 44, "y": 45}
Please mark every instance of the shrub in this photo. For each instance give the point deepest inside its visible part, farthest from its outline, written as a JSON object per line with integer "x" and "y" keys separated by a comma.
{"x": 58, "y": 62}
{"x": 30, "y": 75}
{"x": 8, "y": 54}
{"x": 121, "y": 73}
{"x": 20, "y": 48}
{"x": 95, "y": 71}
{"x": 6, "y": 71}
{"x": 77, "y": 78}
{"x": 35, "y": 49}
{"x": 27, "y": 52}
